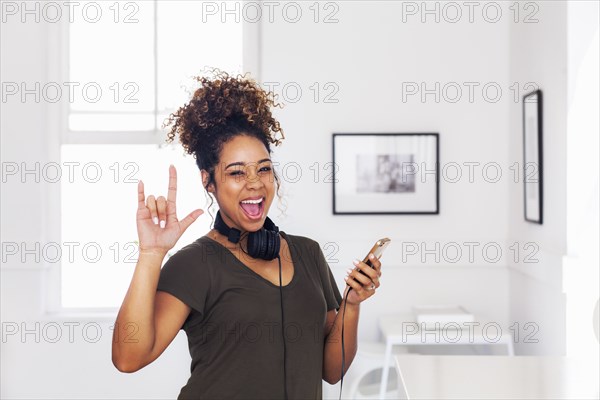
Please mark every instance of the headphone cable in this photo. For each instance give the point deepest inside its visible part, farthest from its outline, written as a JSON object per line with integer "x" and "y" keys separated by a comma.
{"x": 282, "y": 331}
{"x": 343, "y": 347}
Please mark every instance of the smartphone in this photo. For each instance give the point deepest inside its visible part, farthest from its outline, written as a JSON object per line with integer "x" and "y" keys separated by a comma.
{"x": 377, "y": 250}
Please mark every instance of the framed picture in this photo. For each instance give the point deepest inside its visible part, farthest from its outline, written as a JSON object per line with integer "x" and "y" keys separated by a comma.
{"x": 533, "y": 156}
{"x": 386, "y": 173}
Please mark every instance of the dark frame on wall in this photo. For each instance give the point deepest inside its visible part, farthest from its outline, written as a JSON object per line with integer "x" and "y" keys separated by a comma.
{"x": 385, "y": 173}
{"x": 533, "y": 166}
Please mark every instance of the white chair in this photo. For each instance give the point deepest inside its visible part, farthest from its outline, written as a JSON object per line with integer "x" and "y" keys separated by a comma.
{"x": 363, "y": 378}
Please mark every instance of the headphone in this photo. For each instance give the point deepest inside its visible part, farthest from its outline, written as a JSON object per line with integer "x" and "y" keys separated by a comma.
{"x": 264, "y": 243}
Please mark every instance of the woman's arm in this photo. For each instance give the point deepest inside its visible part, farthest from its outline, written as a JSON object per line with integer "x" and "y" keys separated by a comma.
{"x": 363, "y": 286}
{"x": 149, "y": 320}
{"x": 332, "y": 360}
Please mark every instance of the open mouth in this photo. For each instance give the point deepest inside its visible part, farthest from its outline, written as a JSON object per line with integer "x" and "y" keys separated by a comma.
{"x": 253, "y": 208}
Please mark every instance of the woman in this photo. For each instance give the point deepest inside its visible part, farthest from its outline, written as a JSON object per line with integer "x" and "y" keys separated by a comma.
{"x": 259, "y": 306}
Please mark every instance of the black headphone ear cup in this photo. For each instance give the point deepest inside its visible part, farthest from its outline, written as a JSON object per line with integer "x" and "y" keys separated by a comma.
{"x": 275, "y": 244}
{"x": 252, "y": 245}
{"x": 257, "y": 244}
{"x": 264, "y": 241}
{"x": 268, "y": 244}
{"x": 264, "y": 244}
{"x": 256, "y": 249}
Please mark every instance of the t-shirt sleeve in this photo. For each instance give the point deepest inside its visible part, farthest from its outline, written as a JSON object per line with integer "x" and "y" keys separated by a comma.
{"x": 185, "y": 277}
{"x": 330, "y": 288}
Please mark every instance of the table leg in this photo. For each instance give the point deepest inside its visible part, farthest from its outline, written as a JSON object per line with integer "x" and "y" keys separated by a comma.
{"x": 510, "y": 346}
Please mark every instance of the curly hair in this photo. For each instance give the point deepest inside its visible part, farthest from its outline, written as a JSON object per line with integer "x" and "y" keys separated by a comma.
{"x": 222, "y": 108}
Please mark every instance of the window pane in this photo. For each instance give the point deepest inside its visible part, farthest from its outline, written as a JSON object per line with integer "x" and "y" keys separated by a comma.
{"x": 187, "y": 42}
{"x": 99, "y": 202}
{"x": 111, "y": 61}
{"x": 110, "y": 122}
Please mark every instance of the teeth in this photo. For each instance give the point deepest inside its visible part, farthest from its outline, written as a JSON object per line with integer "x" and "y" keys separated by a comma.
{"x": 252, "y": 201}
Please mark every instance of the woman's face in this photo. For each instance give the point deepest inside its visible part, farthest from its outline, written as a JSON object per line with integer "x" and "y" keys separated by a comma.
{"x": 244, "y": 183}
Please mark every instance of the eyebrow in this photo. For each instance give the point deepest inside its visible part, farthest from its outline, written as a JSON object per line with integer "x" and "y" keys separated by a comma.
{"x": 241, "y": 163}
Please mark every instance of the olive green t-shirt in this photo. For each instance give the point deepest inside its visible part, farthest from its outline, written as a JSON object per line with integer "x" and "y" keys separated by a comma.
{"x": 234, "y": 328}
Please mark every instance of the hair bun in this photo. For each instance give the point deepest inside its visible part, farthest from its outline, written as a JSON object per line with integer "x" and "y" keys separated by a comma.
{"x": 220, "y": 109}
{"x": 224, "y": 102}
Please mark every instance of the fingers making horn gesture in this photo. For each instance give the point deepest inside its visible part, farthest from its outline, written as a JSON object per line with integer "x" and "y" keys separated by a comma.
{"x": 157, "y": 224}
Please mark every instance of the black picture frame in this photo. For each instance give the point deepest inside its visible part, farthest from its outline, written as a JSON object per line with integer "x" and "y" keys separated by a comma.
{"x": 533, "y": 166}
{"x": 385, "y": 173}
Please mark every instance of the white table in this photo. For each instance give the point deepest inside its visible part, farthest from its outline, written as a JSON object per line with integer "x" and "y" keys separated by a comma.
{"x": 403, "y": 330}
{"x": 496, "y": 377}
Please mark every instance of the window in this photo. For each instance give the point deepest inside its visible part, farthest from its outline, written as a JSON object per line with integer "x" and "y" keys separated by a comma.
{"x": 128, "y": 72}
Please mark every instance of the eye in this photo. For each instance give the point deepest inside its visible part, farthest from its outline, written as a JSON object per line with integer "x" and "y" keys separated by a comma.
{"x": 265, "y": 169}
{"x": 236, "y": 173}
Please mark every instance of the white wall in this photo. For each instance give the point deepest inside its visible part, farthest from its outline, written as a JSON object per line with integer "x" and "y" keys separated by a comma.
{"x": 538, "y": 53}
{"x": 368, "y": 54}
{"x": 581, "y": 274}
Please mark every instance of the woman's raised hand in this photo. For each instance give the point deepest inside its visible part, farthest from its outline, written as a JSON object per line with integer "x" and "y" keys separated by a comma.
{"x": 157, "y": 224}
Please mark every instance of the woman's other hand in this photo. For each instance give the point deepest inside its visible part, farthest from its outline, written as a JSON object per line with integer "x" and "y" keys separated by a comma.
{"x": 363, "y": 285}
{"x": 157, "y": 224}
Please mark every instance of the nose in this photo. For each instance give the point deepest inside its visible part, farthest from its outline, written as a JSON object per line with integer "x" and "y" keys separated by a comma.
{"x": 252, "y": 178}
